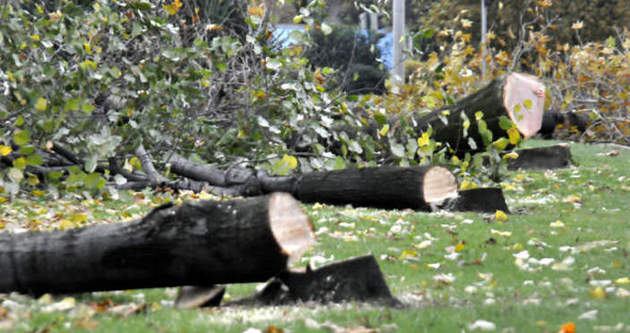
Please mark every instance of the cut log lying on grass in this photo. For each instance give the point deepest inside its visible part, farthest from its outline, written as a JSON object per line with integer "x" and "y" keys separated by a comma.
{"x": 421, "y": 188}
{"x": 197, "y": 243}
{"x": 485, "y": 200}
{"x": 550, "y": 157}
{"x": 520, "y": 97}
{"x": 357, "y": 279}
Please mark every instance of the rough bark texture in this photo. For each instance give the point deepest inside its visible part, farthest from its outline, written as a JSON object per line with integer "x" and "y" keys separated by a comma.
{"x": 485, "y": 200}
{"x": 550, "y": 157}
{"x": 357, "y": 279}
{"x": 198, "y": 243}
{"x": 385, "y": 187}
{"x": 499, "y": 98}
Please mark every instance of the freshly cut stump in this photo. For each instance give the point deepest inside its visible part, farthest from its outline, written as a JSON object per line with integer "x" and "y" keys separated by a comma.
{"x": 197, "y": 243}
{"x": 421, "y": 188}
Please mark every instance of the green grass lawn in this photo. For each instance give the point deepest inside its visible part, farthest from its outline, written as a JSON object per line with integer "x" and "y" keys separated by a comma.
{"x": 560, "y": 257}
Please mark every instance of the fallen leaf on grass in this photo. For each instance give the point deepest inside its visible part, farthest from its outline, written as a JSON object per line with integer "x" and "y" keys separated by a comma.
{"x": 67, "y": 303}
{"x": 482, "y": 325}
{"x": 622, "y": 293}
{"x": 612, "y": 153}
{"x": 589, "y": 315}
{"x": 447, "y": 279}
{"x": 590, "y": 245}
{"x": 557, "y": 224}
{"x": 127, "y": 309}
{"x": 501, "y": 233}
{"x": 573, "y": 198}
{"x": 564, "y": 265}
{"x": 567, "y": 328}
{"x": 623, "y": 280}
{"x": 500, "y": 216}
{"x": 597, "y": 293}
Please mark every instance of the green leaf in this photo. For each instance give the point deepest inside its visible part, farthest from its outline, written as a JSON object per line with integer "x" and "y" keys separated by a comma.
{"x": 20, "y": 163}
{"x": 340, "y": 163}
{"x": 91, "y": 163}
{"x": 72, "y": 104}
{"x": 115, "y": 72}
{"x": 87, "y": 108}
{"x": 501, "y": 143}
{"x": 505, "y": 123}
{"x": 21, "y": 137}
{"x": 94, "y": 181}
{"x": 285, "y": 165}
{"x": 34, "y": 159}
{"x": 478, "y": 115}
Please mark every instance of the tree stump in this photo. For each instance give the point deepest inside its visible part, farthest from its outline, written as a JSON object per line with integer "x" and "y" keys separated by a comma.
{"x": 197, "y": 243}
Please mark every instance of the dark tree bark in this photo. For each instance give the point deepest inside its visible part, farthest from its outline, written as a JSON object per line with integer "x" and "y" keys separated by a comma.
{"x": 499, "y": 98}
{"x": 382, "y": 187}
{"x": 485, "y": 200}
{"x": 357, "y": 279}
{"x": 422, "y": 188}
{"x": 550, "y": 157}
{"x": 198, "y": 243}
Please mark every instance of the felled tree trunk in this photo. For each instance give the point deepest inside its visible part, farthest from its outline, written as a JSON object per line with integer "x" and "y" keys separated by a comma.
{"x": 388, "y": 187}
{"x": 198, "y": 243}
{"x": 421, "y": 188}
{"x": 509, "y": 96}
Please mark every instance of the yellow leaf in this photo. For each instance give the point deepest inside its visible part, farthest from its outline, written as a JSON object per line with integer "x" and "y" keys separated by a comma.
{"x": 3, "y": 200}
{"x": 597, "y": 293}
{"x": 38, "y": 193}
{"x": 66, "y": 224}
{"x": 87, "y": 48}
{"x": 460, "y": 247}
{"x": 35, "y": 37}
{"x": 423, "y": 140}
{"x": 514, "y": 136}
{"x": 33, "y": 180}
{"x": 290, "y": 161}
{"x": 384, "y": 130}
{"x": 467, "y": 185}
{"x": 500, "y": 143}
{"x": 408, "y": 254}
{"x": 173, "y": 8}
{"x": 500, "y": 215}
{"x": 478, "y": 115}
{"x": 79, "y": 218}
{"x": 41, "y": 104}
{"x": 5, "y": 150}
{"x": 501, "y": 233}
{"x": 512, "y": 155}
{"x": 623, "y": 280}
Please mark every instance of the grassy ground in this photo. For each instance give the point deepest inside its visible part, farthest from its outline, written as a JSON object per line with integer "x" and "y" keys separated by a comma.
{"x": 561, "y": 257}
